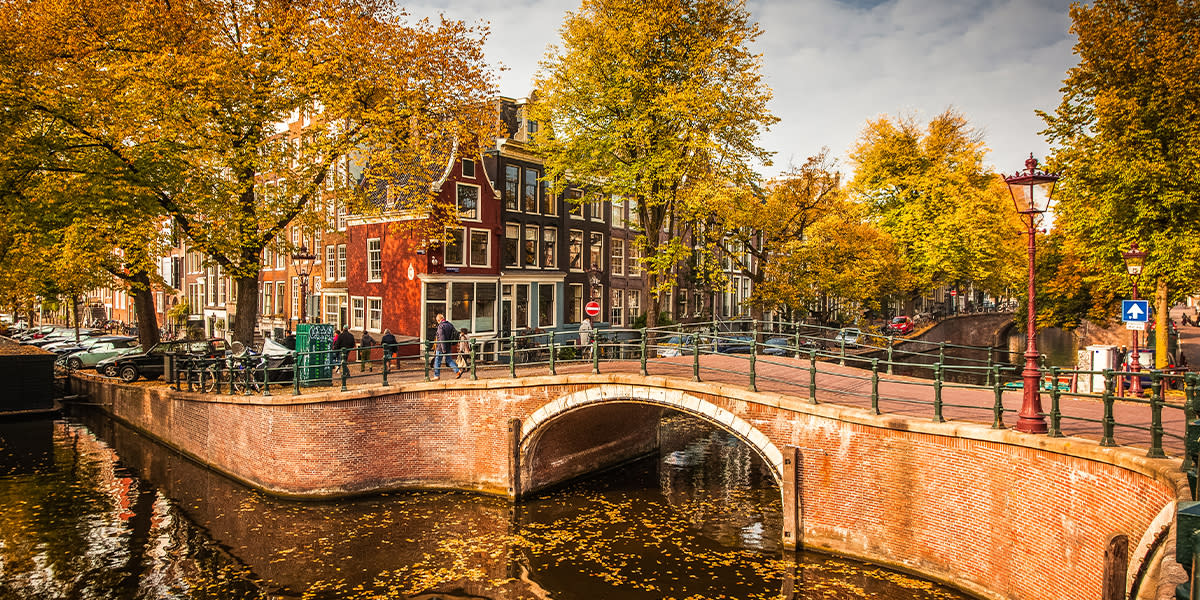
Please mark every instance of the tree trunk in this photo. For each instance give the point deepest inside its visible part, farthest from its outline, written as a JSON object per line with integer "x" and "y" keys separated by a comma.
{"x": 652, "y": 300}
{"x": 143, "y": 306}
{"x": 1161, "y": 314}
{"x": 75, "y": 309}
{"x": 247, "y": 309}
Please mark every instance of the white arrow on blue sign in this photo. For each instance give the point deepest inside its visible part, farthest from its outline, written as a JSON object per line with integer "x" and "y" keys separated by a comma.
{"x": 1135, "y": 311}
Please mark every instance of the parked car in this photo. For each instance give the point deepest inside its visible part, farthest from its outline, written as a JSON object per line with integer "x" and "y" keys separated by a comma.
{"x": 102, "y": 348}
{"x": 848, "y": 336}
{"x": 901, "y": 325}
{"x": 677, "y": 345}
{"x": 149, "y": 364}
{"x": 777, "y": 346}
{"x": 734, "y": 344}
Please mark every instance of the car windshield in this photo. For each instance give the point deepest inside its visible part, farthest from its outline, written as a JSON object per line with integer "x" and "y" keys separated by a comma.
{"x": 899, "y": 319}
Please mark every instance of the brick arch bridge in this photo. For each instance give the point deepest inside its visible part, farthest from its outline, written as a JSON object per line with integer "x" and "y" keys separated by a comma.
{"x": 995, "y": 512}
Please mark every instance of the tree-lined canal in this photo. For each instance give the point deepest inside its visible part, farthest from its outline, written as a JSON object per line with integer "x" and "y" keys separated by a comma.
{"x": 94, "y": 510}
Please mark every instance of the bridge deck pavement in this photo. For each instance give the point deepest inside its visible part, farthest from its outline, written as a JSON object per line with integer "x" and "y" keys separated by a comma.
{"x": 847, "y": 386}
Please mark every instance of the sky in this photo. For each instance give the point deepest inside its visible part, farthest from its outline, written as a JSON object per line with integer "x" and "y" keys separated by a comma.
{"x": 833, "y": 65}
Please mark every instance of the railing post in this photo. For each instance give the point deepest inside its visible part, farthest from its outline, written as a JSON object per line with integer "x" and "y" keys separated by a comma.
{"x": 1055, "y": 429}
{"x": 1189, "y": 415}
{"x": 998, "y": 406}
{"x": 472, "y": 357}
{"x": 1107, "y": 438}
{"x": 991, "y": 363}
{"x": 812, "y": 375}
{"x": 552, "y": 352}
{"x": 937, "y": 394}
{"x": 345, "y": 367}
{"x": 296, "y": 376}
{"x": 753, "y": 362}
{"x": 875, "y": 385}
{"x": 1156, "y": 426}
{"x": 386, "y": 359}
{"x": 425, "y": 358}
{"x": 266, "y": 379}
{"x": 595, "y": 354}
{"x": 842, "y": 345}
{"x": 797, "y": 355}
{"x": 891, "y": 344}
{"x": 644, "y": 372}
{"x": 695, "y": 355}
{"x": 942, "y": 352}
{"x": 512, "y": 355}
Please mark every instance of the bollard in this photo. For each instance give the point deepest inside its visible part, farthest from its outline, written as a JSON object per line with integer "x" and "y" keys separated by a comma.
{"x": 797, "y": 356}
{"x": 842, "y": 344}
{"x": 875, "y": 385}
{"x": 512, "y": 355}
{"x": 1107, "y": 438}
{"x": 345, "y": 368}
{"x": 812, "y": 375}
{"x": 595, "y": 355}
{"x": 472, "y": 355}
{"x": 425, "y": 359}
{"x": 266, "y": 379}
{"x": 1055, "y": 429}
{"x": 753, "y": 361}
{"x": 942, "y": 352}
{"x": 998, "y": 407}
{"x": 552, "y": 353}
{"x": 386, "y": 359}
{"x": 296, "y": 376}
{"x": 891, "y": 344}
{"x": 695, "y": 356}
{"x": 991, "y": 363}
{"x": 644, "y": 352}
{"x": 1156, "y": 426}
{"x": 937, "y": 394}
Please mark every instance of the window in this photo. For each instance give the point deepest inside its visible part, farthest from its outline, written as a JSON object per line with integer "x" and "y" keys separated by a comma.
{"x": 548, "y": 200}
{"x": 634, "y": 220}
{"x": 574, "y": 312}
{"x": 467, "y": 305}
{"x": 341, "y": 216}
{"x": 522, "y": 312}
{"x": 468, "y": 168}
{"x": 330, "y": 263}
{"x": 618, "y": 211}
{"x": 280, "y": 290}
{"x": 512, "y": 240}
{"x": 546, "y": 305}
{"x": 374, "y": 260}
{"x": 341, "y": 262}
{"x": 550, "y": 247}
{"x": 435, "y": 302}
{"x": 531, "y": 189}
{"x": 455, "y": 248}
{"x": 635, "y": 261}
{"x": 268, "y": 297}
{"x": 481, "y": 251}
{"x": 295, "y": 298}
{"x": 468, "y": 201}
{"x": 618, "y": 256}
{"x": 634, "y": 306}
{"x": 576, "y": 247}
{"x": 618, "y": 308}
{"x": 596, "y": 249}
{"x": 375, "y": 314}
{"x": 485, "y": 307}
{"x": 331, "y": 310}
{"x": 597, "y": 206}
{"x": 512, "y": 187}
{"x": 531, "y": 127}
{"x": 531, "y": 246}
{"x": 575, "y": 203}
{"x": 359, "y": 313}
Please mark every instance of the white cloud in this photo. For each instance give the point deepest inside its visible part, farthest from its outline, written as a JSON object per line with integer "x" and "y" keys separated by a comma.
{"x": 835, "y": 64}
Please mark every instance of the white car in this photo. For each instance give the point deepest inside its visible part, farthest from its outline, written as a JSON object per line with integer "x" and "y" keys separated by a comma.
{"x": 848, "y": 336}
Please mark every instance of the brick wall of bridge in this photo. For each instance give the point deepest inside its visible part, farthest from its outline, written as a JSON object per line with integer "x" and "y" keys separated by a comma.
{"x": 997, "y": 512}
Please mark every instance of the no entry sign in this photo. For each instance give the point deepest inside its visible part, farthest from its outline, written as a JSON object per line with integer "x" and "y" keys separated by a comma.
{"x": 592, "y": 309}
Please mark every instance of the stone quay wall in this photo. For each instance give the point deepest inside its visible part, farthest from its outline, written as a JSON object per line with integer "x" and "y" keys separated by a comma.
{"x": 994, "y": 512}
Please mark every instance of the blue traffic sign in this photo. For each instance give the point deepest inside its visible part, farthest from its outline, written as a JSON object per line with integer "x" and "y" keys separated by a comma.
{"x": 1135, "y": 311}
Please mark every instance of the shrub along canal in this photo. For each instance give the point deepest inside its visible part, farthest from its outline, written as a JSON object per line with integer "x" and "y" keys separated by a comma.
{"x": 94, "y": 510}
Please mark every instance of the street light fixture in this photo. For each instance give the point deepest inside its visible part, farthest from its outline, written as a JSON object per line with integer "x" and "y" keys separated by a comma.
{"x": 302, "y": 261}
{"x": 1134, "y": 259}
{"x": 1031, "y": 191}
{"x": 593, "y": 274}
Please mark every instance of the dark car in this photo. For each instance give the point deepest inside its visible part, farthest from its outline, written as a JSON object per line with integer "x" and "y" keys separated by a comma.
{"x": 777, "y": 346}
{"x": 734, "y": 344}
{"x": 149, "y": 364}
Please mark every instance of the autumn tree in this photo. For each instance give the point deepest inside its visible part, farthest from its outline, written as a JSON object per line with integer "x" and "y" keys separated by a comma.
{"x": 928, "y": 188}
{"x": 653, "y": 101}
{"x": 1125, "y": 137}
{"x": 761, "y": 228}
{"x": 186, "y": 102}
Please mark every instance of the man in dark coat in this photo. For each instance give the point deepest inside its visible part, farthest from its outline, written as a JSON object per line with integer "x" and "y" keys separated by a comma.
{"x": 364, "y": 352}
{"x": 389, "y": 347}
{"x": 445, "y": 337}
{"x": 344, "y": 343}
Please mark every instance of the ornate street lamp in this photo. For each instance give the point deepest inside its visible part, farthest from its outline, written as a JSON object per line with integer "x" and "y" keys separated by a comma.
{"x": 593, "y": 274}
{"x": 1031, "y": 192}
{"x": 302, "y": 261}
{"x": 1134, "y": 259}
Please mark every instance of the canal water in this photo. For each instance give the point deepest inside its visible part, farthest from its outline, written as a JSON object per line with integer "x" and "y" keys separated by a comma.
{"x": 92, "y": 510}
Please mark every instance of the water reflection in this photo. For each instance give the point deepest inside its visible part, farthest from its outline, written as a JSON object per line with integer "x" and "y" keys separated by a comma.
{"x": 108, "y": 514}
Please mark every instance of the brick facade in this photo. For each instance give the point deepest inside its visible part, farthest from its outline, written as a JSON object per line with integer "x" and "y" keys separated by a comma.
{"x": 993, "y": 511}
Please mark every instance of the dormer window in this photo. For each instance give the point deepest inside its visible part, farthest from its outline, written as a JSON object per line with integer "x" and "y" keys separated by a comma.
{"x": 531, "y": 127}
{"x": 468, "y": 168}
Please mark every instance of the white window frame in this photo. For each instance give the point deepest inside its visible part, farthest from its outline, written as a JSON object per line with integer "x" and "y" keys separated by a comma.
{"x": 331, "y": 263}
{"x": 617, "y": 247}
{"x": 295, "y": 308}
{"x": 475, "y": 214}
{"x": 487, "y": 236}
{"x": 617, "y": 308}
{"x": 341, "y": 267}
{"x": 582, "y": 250}
{"x": 464, "y": 248}
{"x": 358, "y": 312}
{"x": 374, "y": 260}
{"x": 463, "y": 169}
{"x": 374, "y": 313}
{"x": 618, "y": 211}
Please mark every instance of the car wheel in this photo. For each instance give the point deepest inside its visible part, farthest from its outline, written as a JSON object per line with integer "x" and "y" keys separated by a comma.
{"x": 129, "y": 373}
{"x": 109, "y": 370}
{"x": 74, "y": 363}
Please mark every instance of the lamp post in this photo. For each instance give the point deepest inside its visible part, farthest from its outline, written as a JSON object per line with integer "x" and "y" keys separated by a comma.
{"x": 302, "y": 261}
{"x": 1031, "y": 190}
{"x": 593, "y": 274}
{"x": 1134, "y": 259}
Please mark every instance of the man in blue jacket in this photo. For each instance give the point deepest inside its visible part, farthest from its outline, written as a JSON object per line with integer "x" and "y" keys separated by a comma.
{"x": 445, "y": 335}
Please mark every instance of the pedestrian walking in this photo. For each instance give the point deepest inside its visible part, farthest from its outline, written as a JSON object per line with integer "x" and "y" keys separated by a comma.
{"x": 464, "y": 351}
{"x": 364, "y": 352}
{"x": 444, "y": 337}
{"x": 585, "y": 338}
{"x": 389, "y": 347}
{"x": 343, "y": 344}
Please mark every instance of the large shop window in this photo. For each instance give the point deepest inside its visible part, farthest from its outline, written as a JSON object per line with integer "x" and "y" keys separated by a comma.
{"x": 546, "y": 305}
{"x": 435, "y": 303}
{"x": 522, "y": 311}
{"x": 466, "y": 304}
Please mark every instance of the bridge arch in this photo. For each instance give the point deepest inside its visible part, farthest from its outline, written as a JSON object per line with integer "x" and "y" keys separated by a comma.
{"x": 541, "y": 419}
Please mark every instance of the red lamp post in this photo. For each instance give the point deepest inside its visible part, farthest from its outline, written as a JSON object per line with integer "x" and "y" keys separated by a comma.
{"x": 1031, "y": 191}
{"x": 302, "y": 261}
{"x": 1134, "y": 259}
